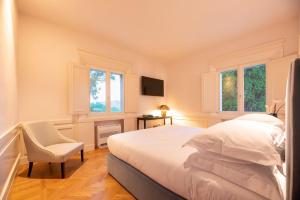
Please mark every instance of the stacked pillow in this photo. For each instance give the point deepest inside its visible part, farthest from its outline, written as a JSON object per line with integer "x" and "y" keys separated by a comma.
{"x": 278, "y": 139}
{"x": 242, "y": 150}
{"x": 249, "y": 138}
{"x": 264, "y": 118}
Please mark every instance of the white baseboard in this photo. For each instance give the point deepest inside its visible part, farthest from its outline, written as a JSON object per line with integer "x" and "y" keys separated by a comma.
{"x": 89, "y": 147}
{"x": 11, "y": 177}
{"x": 9, "y": 158}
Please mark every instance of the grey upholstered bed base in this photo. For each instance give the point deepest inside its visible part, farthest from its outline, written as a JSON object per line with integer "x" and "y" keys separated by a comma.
{"x": 138, "y": 184}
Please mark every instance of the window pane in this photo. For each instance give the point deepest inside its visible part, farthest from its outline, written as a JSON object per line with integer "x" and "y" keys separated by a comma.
{"x": 116, "y": 92}
{"x": 229, "y": 90}
{"x": 255, "y": 88}
{"x": 97, "y": 90}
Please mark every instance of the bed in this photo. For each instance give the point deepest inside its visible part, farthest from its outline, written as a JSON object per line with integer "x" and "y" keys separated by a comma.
{"x": 157, "y": 154}
{"x": 149, "y": 162}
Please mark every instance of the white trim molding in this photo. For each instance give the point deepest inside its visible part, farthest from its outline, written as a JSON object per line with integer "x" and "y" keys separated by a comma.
{"x": 267, "y": 51}
{"x": 92, "y": 59}
{"x": 10, "y": 154}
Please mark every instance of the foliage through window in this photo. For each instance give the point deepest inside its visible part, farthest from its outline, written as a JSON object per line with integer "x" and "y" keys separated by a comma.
{"x": 229, "y": 90}
{"x": 255, "y": 88}
{"x": 99, "y": 93}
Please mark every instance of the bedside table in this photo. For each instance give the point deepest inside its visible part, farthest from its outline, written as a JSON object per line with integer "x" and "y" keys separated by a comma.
{"x": 145, "y": 119}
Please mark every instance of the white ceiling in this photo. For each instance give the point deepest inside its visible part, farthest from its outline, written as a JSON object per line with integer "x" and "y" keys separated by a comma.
{"x": 164, "y": 29}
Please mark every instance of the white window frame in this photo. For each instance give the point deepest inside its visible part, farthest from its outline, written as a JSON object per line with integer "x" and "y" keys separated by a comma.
{"x": 122, "y": 90}
{"x": 107, "y": 87}
{"x": 240, "y": 84}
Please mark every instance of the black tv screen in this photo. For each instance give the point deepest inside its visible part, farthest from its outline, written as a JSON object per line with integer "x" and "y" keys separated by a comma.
{"x": 152, "y": 86}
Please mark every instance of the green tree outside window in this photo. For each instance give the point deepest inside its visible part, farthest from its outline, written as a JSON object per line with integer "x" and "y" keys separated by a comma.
{"x": 255, "y": 88}
{"x": 229, "y": 90}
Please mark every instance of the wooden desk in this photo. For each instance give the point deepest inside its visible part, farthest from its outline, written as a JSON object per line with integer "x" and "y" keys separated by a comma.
{"x": 145, "y": 119}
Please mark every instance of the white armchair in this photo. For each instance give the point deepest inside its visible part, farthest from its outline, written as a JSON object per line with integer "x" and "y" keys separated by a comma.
{"x": 45, "y": 144}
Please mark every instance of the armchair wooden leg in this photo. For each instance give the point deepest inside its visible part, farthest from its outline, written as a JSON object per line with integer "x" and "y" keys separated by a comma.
{"x": 30, "y": 169}
{"x": 82, "y": 156}
{"x": 62, "y": 168}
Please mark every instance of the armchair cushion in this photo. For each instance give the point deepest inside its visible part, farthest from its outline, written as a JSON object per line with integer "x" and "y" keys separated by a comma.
{"x": 63, "y": 151}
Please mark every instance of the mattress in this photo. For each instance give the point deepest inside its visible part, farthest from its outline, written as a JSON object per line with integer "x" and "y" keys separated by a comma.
{"x": 158, "y": 153}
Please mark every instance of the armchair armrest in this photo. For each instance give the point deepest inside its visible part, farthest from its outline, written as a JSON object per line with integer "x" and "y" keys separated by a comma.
{"x": 37, "y": 152}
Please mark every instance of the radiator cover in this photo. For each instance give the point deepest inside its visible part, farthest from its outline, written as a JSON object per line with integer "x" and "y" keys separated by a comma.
{"x": 104, "y": 131}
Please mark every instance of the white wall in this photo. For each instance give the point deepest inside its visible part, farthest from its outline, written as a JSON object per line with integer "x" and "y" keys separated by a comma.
{"x": 9, "y": 134}
{"x": 184, "y": 82}
{"x": 8, "y": 65}
{"x": 45, "y": 50}
{"x": 184, "y": 76}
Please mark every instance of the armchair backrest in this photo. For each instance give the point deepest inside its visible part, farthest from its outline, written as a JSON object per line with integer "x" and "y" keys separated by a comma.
{"x": 42, "y": 132}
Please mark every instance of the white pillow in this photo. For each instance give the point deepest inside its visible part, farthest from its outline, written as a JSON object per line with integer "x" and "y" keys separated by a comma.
{"x": 264, "y": 118}
{"x": 240, "y": 139}
{"x": 254, "y": 177}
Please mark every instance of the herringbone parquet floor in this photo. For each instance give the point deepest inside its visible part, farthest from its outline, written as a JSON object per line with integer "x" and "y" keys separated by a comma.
{"x": 88, "y": 180}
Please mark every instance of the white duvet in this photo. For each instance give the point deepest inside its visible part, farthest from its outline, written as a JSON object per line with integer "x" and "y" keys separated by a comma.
{"x": 158, "y": 153}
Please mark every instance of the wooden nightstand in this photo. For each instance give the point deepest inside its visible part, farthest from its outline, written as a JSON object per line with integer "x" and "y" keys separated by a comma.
{"x": 145, "y": 119}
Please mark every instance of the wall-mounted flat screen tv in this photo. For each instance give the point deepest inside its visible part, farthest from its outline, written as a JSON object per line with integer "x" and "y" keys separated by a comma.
{"x": 152, "y": 86}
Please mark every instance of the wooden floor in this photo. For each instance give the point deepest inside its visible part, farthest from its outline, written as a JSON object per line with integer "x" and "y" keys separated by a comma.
{"x": 88, "y": 180}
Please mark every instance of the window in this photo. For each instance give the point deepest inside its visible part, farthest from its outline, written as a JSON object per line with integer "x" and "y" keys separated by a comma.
{"x": 229, "y": 90}
{"x": 103, "y": 98}
{"x": 97, "y": 91}
{"x": 255, "y": 88}
{"x": 250, "y": 81}
{"x": 116, "y": 92}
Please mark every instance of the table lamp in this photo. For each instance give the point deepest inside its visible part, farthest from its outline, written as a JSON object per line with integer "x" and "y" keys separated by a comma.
{"x": 164, "y": 109}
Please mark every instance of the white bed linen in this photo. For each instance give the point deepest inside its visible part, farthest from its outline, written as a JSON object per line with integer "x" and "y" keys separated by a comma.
{"x": 158, "y": 153}
{"x": 254, "y": 177}
{"x": 240, "y": 139}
